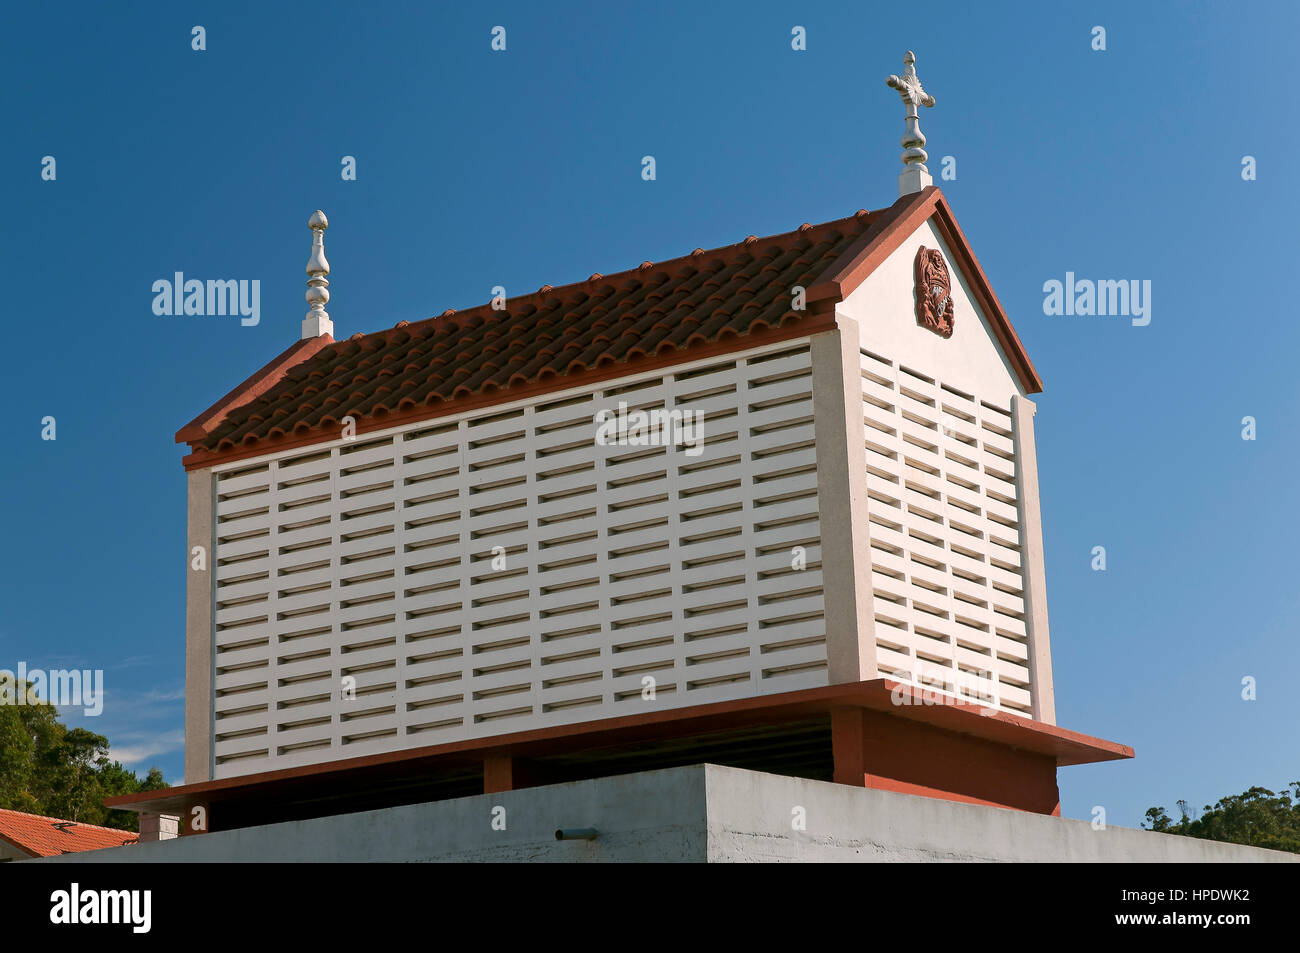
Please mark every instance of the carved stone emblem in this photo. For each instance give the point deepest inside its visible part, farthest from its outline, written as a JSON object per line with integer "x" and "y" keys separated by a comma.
{"x": 933, "y": 292}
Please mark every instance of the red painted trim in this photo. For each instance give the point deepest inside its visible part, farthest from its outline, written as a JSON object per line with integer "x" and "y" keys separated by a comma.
{"x": 848, "y": 744}
{"x": 881, "y": 240}
{"x": 874, "y": 750}
{"x": 188, "y": 817}
{"x": 498, "y": 773}
{"x": 997, "y": 727}
{"x": 816, "y": 321}
{"x": 902, "y": 787}
{"x": 256, "y": 385}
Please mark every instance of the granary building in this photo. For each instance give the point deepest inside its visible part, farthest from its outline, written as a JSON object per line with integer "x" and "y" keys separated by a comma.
{"x": 773, "y": 505}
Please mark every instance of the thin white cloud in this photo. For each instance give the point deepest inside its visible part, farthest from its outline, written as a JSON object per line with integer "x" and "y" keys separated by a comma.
{"x": 133, "y": 661}
{"x": 132, "y": 755}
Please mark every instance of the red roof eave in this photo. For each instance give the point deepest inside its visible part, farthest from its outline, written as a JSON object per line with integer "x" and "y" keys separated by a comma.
{"x": 259, "y": 383}
{"x": 1063, "y": 746}
{"x": 889, "y": 232}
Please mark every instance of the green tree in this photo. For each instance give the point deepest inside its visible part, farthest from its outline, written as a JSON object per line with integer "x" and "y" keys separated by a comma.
{"x": 50, "y": 769}
{"x": 1258, "y": 817}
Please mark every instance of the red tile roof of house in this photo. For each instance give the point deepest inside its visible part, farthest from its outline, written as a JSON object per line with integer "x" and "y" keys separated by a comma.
{"x": 43, "y": 837}
{"x": 729, "y": 298}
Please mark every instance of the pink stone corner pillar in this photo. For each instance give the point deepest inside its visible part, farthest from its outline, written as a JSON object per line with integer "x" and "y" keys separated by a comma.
{"x": 1033, "y": 568}
{"x": 842, "y": 504}
{"x": 198, "y": 626}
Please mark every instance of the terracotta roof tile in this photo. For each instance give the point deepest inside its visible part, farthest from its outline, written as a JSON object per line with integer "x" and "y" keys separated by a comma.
{"x": 608, "y": 319}
{"x": 656, "y": 311}
{"x": 40, "y": 837}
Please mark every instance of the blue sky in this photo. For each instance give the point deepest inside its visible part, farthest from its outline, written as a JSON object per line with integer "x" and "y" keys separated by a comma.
{"x": 522, "y": 168}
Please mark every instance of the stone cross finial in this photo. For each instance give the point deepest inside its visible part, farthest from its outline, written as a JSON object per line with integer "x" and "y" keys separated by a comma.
{"x": 318, "y": 320}
{"x": 915, "y": 176}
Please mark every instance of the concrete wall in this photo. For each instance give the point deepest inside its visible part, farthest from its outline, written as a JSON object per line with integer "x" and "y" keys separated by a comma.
{"x": 750, "y": 820}
{"x": 1033, "y": 564}
{"x": 842, "y": 505}
{"x": 655, "y": 816}
{"x": 9, "y": 852}
{"x": 198, "y": 627}
{"x": 697, "y": 813}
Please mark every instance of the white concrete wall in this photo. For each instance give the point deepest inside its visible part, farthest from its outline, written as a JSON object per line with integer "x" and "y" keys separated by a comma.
{"x": 697, "y": 813}
{"x": 750, "y": 821}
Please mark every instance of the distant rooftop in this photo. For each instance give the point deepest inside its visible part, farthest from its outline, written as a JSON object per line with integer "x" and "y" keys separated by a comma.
{"x": 40, "y": 836}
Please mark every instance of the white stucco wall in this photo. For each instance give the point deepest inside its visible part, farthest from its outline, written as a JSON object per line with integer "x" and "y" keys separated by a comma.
{"x": 884, "y": 308}
{"x": 944, "y": 485}
{"x": 505, "y": 570}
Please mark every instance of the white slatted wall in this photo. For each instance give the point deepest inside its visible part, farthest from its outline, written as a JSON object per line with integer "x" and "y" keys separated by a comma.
{"x": 374, "y": 560}
{"x": 945, "y": 540}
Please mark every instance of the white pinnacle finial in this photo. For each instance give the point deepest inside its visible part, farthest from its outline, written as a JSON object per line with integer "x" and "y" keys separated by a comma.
{"x": 318, "y": 320}
{"x": 915, "y": 176}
